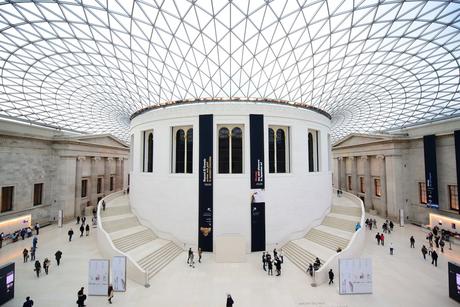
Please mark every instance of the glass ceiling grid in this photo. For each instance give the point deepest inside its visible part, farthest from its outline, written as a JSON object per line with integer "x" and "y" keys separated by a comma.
{"x": 88, "y": 65}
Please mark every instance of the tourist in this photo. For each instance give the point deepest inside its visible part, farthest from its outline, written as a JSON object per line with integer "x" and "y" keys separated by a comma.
{"x": 87, "y": 229}
{"x": 270, "y": 265}
{"x": 29, "y": 232}
{"x": 281, "y": 255}
{"x": 375, "y": 223}
{"x": 331, "y": 277}
{"x": 200, "y": 252}
{"x": 103, "y": 205}
{"x": 317, "y": 264}
{"x": 81, "y": 298}
{"x": 70, "y": 233}
{"x": 83, "y": 219}
{"x": 1, "y": 239}
{"x": 357, "y": 226}
{"x": 377, "y": 237}
{"x": 441, "y": 244}
{"x": 412, "y": 242}
{"x": 78, "y": 220}
{"x": 275, "y": 253}
{"x": 382, "y": 239}
{"x": 391, "y": 225}
{"x": 229, "y": 301}
{"x": 436, "y": 241}
{"x": 310, "y": 269}
{"x": 110, "y": 293}
{"x": 58, "y": 256}
{"x": 434, "y": 258}
{"x": 192, "y": 262}
{"x": 37, "y": 228}
{"x": 32, "y": 253}
{"x": 46, "y": 265}
{"x": 25, "y": 254}
{"x": 424, "y": 252}
{"x": 28, "y": 302}
{"x": 339, "y": 249}
{"x": 264, "y": 261}
{"x": 38, "y": 268}
{"x": 278, "y": 266}
{"x": 34, "y": 242}
{"x": 23, "y": 233}
{"x": 391, "y": 248}
{"x": 190, "y": 253}
{"x": 82, "y": 229}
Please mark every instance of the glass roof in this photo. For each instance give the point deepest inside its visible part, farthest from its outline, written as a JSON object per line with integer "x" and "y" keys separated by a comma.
{"x": 88, "y": 65}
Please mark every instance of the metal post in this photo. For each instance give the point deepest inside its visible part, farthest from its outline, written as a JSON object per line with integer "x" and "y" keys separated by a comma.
{"x": 313, "y": 283}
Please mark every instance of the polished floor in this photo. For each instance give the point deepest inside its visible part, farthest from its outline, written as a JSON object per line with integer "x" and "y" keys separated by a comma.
{"x": 403, "y": 279}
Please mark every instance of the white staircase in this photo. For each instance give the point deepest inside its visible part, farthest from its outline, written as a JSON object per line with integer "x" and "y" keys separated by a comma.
{"x": 131, "y": 238}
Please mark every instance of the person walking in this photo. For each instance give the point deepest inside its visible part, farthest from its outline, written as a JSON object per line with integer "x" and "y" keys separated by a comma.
{"x": 436, "y": 241}
{"x": 200, "y": 252}
{"x": 78, "y": 220}
{"x": 70, "y": 234}
{"x": 46, "y": 265}
{"x": 264, "y": 261}
{"x": 412, "y": 242}
{"x": 32, "y": 253}
{"x": 81, "y": 297}
{"x": 275, "y": 253}
{"x": 270, "y": 265}
{"x": 310, "y": 270}
{"x": 190, "y": 252}
{"x": 434, "y": 258}
{"x": 25, "y": 255}
{"x": 103, "y": 205}
{"x": 424, "y": 251}
{"x": 391, "y": 225}
{"x": 192, "y": 262}
{"x": 230, "y": 301}
{"x": 82, "y": 229}
{"x": 110, "y": 293}
{"x": 391, "y": 248}
{"x": 83, "y": 220}
{"x": 28, "y": 302}
{"x": 278, "y": 266}
{"x": 37, "y": 228}
{"x": 58, "y": 256}
{"x": 441, "y": 244}
{"x": 382, "y": 239}
{"x": 87, "y": 229}
{"x": 23, "y": 233}
{"x": 331, "y": 277}
{"x": 35, "y": 242}
{"x": 38, "y": 268}
{"x": 377, "y": 237}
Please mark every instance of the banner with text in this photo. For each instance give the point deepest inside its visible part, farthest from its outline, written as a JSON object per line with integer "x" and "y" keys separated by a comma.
{"x": 355, "y": 276}
{"x": 98, "y": 279}
{"x": 457, "y": 158}
{"x": 205, "y": 189}
{"x": 256, "y": 128}
{"x": 119, "y": 273}
{"x": 431, "y": 173}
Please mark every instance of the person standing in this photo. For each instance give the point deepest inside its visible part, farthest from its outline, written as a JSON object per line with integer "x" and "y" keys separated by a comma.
{"x": 70, "y": 233}
{"x": 103, "y": 205}
{"x": 424, "y": 252}
{"x": 264, "y": 261}
{"x": 81, "y": 297}
{"x": 377, "y": 236}
{"x": 32, "y": 253}
{"x": 192, "y": 262}
{"x": 382, "y": 239}
{"x": 412, "y": 242}
{"x": 87, "y": 229}
{"x": 46, "y": 265}
{"x": 230, "y": 301}
{"x": 37, "y": 228}
{"x": 28, "y": 302}
{"x": 25, "y": 255}
{"x": 436, "y": 241}
{"x": 331, "y": 277}
{"x": 190, "y": 253}
{"x": 78, "y": 220}
{"x": 110, "y": 293}
{"x": 278, "y": 266}
{"x": 200, "y": 252}
{"x": 391, "y": 248}
{"x": 275, "y": 253}
{"x": 83, "y": 220}
{"x": 58, "y": 256}
{"x": 34, "y": 242}
{"x": 38, "y": 268}
{"x": 434, "y": 258}
{"x": 281, "y": 255}
{"x": 441, "y": 244}
{"x": 270, "y": 265}
{"x": 1, "y": 240}
{"x": 82, "y": 229}
{"x": 391, "y": 225}
{"x": 310, "y": 269}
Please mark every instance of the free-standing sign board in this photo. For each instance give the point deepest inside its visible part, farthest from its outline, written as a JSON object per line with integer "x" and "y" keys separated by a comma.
{"x": 7, "y": 278}
{"x": 119, "y": 273}
{"x": 454, "y": 281}
{"x": 98, "y": 276}
{"x": 355, "y": 276}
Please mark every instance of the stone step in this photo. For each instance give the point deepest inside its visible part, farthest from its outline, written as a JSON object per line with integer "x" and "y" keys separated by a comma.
{"x": 134, "y": 240}
{"x": 339, "y": 223}
{"x": 325, "y": 239}
{"x": 119, "y": 210}
{"x": 299, "y": 256}
{"x": 354, "y": 211}
{"x": 116, "y": 225}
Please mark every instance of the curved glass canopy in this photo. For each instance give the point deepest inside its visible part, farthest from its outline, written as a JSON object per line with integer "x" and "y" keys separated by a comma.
{"x": 88, "y": 65}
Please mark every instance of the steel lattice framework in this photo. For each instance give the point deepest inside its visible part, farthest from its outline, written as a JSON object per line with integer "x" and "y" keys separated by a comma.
{"x": 88, "y": 65}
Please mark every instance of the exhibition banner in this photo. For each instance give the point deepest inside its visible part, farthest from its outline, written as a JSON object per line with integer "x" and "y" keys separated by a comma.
{"x": 98, "y": 276}
{"x": 256, "y": 134}
{"x": 205, "y": 185}
{"x": 454, "y": 281}
{"x": 119, "y": 273}
{"x": 7, "y": 278}
{"x": 457, "y": 159}
{"x": 355, "y": 276}
{"x": 431, "y": 174}
{"x": 257, "y": 227}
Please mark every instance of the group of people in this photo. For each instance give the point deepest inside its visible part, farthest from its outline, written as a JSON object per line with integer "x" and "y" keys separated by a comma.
{"x": 191, "y": 257}
{"x": 22, "y": 233}
{"x": 370, "y": 223}
{"x": 439, "y": 238}
{"x": 81, "y": 296}
{"x": 277, "y": 261}
{"x": 313, "y": 267}
{"x": 83, "y": 227}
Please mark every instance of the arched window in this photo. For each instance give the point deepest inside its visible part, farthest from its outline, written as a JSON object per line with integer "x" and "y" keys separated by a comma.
{"x": 237, "y": 150}
{"x": 189, "y": 151}
{"x": 230, "y": 150}
{"x": 271, "y": 150}
{"x": 278, "y": 149}
{"x": 311, "y": 164}
{"x": 224, "y": 151}
{"x": 150, "y": 153}
{"x": 180, "y": 151}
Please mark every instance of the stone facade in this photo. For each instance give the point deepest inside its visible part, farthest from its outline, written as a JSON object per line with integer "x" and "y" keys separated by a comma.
{"x": 397, "y": 160}
{"x": 60, "y": 161}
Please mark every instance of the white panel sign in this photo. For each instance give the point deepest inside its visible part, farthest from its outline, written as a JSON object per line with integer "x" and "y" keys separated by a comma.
{"x": 355, "y": 275}
{"x": 98, "y": 276}
{"x": 119, "y": 273}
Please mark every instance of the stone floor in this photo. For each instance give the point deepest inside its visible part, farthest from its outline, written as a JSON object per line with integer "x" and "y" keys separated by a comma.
{"x": 404, "y": 279}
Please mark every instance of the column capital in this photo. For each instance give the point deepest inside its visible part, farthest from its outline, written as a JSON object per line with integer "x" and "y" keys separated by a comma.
{"x": 380, "y": 157}
{"x": 108, "y": 158}
{"x": 364, "y": 158}
{"x": 340, "y": 158}
{"x": 351, "y": 158}
{"x": 81, "y": 158}
{"x": 96, "y": 158}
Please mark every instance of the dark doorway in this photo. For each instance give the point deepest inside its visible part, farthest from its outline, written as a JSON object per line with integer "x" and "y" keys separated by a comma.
{"x": 257, "y": 227}
{"x": 362, "y": 198}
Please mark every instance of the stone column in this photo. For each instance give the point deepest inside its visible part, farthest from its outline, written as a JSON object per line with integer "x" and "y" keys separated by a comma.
{"x": 367, "y": 183}
{"x": 339, "y": 172}
{"x": 106, "y": 188}
{"x": 354, "y": 175}
{"x": 118, "y": 174}
{"x": 78, "y": 186}
{"x": 383, "y": 185}
{"x": 343, "y": 173}
{"x": 93, "y": 181}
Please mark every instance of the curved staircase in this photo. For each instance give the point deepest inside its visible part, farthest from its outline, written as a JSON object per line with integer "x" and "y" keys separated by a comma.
{"x": 132, "y": 239}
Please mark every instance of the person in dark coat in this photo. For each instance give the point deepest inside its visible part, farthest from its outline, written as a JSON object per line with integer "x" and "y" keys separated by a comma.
{"x": 441, "y": 244}
{"x": 229, "y": 301}
{"x": 278, "y": 266}
{"x": 270, "y": 264}
{"x": 424, "y": 251}
{"x": 23, "y": 233}
{"x": 38, "y": 268}
{"x": 190, "y": 253}
{"x": 331, "y": 276}
{"x": 103, "y": 205}
{"x": 83, "y": 219}
{"x": 78, "y": 220}
{"x": 412, "y": 242}
{"x": 1, "y": 239}
{"x": 377, "y": 237}
{"x": 200, "y": 253}
{"x": 310, "y": 269}
{"x": 25, "y": 254}
{"x": 28, "y": 302}
{"x": 58, "y": 256}
{"x": 82, "y": 229}
{"x": 434, "y": 258}
{"x": 264, "y": 261}
{"x": 34, "y": 242}
{"x": 81, "y": 297}
{"x": 46, "y": 265}
{"x": 110, "y": 293}
{"x": 70, "y": 233}
{"x": 87, "y": 229}
{"x": 32, "y": 253}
